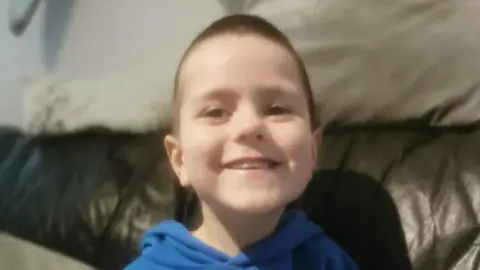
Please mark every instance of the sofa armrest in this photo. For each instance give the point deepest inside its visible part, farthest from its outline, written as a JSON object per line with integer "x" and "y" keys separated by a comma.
{"x": 20, "y": 254}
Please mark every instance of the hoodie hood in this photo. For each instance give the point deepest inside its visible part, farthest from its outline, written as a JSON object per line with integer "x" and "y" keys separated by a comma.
{"x": 171, "y": 246}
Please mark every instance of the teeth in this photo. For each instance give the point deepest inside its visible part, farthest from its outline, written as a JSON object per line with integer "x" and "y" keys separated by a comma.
{"x": 252, "y": 165}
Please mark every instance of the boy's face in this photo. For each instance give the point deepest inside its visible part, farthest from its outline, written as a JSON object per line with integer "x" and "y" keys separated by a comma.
{"x": 244, "y": 137}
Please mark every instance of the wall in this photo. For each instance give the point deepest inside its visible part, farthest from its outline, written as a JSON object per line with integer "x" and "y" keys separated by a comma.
{"x": 105, "y": 36}
{"x": 91, "y": 38}
{"x": 17, "y": 55}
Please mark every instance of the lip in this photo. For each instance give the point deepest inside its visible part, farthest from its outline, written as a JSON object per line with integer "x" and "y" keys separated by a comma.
{"x": 232, "y": 163}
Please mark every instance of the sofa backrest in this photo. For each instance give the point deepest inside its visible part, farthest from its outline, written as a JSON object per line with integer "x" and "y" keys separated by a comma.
{"x": 90, "y": 196}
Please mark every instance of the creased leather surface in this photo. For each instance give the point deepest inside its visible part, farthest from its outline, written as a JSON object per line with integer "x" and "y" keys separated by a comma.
{"x": 360, "y": 216}
{"x": 92, "y": 195}
{"x": 434, "y": 179}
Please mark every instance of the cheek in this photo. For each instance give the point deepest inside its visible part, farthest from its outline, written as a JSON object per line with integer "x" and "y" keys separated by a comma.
{"x": 201, "y": 163}
{"x": 201, "y": 153}
{"x": 296, "y": 143}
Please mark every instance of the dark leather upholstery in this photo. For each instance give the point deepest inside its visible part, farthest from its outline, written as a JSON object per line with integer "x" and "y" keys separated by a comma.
{"x": 381, "y": 192}
{"x": 90, "y": 196}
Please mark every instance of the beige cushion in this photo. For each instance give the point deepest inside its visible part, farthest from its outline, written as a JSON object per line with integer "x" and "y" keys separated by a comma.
{"x": 129, "y": 103}
{"x": 387, "y": 61}
{"x": 369, "y": 62}
{"x": 19, "y": 254}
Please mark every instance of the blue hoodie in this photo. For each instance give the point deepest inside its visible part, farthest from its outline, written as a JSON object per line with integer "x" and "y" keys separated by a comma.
{"x": 298, "y": 244}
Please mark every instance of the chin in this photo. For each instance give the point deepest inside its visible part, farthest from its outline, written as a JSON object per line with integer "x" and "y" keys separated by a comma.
{"x": 257, "y": 205}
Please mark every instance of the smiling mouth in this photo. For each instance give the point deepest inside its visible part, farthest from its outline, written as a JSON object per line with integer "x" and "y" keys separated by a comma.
{"x": 252, "y": 164}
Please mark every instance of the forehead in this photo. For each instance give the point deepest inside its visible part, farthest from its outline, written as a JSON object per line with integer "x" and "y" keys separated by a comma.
{"x": 233, "y": 61}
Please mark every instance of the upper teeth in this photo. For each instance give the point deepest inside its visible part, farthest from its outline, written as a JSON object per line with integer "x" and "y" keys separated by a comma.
{"x": 252, "y": 165}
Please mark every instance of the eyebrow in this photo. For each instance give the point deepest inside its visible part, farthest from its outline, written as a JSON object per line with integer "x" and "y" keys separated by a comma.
{"x": 280, "y": 91}
{"x": 224, "y": 93}
{"x": 217, "y": 93}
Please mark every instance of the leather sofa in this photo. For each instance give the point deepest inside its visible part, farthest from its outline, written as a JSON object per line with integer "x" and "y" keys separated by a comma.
{"x": 92, "y": 194}
{"x": 398, "y": 184}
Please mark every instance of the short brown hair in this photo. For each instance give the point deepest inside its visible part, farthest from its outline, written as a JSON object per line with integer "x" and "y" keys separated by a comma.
{"x": 246, "y": 24}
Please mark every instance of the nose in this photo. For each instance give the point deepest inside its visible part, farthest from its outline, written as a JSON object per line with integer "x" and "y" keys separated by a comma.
{"x": 248, "y": 125}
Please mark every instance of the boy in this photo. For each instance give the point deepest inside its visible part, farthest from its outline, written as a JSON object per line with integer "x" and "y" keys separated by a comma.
{"x": 245, "y": 138}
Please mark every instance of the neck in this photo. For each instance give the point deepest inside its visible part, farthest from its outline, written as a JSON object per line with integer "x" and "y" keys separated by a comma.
{"x": 230, "y": 231}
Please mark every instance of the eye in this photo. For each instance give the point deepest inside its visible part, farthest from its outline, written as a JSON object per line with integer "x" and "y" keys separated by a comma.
{"x": 277, "y": 109}
{"x": 215, "y": 113}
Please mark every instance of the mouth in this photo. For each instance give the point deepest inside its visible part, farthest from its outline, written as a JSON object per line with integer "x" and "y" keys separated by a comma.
{"x": 252, "y": 164}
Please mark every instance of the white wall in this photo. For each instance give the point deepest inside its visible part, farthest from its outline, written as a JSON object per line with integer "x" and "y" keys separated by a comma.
{"x": 86, "y": 38}
{"x": 17, "y": 55}
{"x": 106, "y": 36}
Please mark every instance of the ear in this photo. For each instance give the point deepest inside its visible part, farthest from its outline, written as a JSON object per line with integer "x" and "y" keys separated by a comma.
{"x": 175, "y": 156}
{"x": 317, "y": 138}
